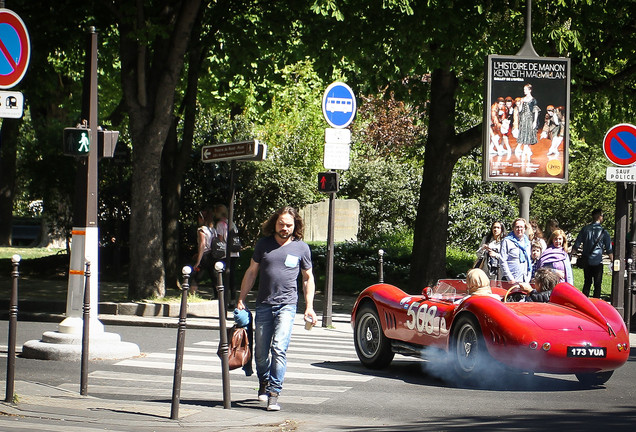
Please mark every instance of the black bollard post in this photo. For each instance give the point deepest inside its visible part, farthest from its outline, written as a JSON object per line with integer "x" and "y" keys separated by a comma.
{"x": 178, "y": 361}
{"x": 223, "y": 348}
{"x": 86, "y": 328}
{"x": 381, "y": 267}
{"x": 13, "y": 323}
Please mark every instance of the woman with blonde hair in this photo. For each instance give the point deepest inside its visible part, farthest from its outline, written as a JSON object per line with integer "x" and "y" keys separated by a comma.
{"x": 478, "y": 283}
{"x": 556, "y": 256}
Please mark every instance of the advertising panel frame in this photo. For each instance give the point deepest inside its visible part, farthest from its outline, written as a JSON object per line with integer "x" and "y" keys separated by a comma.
{"x": 504, "y": 158}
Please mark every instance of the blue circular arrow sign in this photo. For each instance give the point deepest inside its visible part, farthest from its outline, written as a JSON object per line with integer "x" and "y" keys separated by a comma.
{"x": 339, "y": 105}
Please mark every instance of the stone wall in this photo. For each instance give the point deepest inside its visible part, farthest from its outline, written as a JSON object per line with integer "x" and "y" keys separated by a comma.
{"x": 346, "y": 220}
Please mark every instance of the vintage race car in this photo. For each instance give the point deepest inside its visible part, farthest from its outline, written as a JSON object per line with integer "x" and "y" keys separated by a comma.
{"x": 571, "y": 334}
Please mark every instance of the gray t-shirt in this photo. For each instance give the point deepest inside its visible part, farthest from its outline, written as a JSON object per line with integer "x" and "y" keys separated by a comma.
{"x": 279, "y": 267}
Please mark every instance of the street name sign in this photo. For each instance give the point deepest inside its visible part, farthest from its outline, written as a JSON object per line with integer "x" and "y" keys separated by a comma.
{"x": 15, "y": 49}
{"x": 11, "y": 104}
{"x": 244, "y": 150}
{"x": 222, "y": 152}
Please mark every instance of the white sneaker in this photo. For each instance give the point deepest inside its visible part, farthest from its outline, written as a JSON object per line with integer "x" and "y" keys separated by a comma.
{"x": 272, "y": 402}
{"x": 262, "y": 392}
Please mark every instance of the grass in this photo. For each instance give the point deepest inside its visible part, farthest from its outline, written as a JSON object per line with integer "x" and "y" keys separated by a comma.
{"x": 606, "y": 285}
{"x": 28, "y": 253}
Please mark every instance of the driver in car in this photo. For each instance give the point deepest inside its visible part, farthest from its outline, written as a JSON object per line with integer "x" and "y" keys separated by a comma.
{"x": 545, "y": 279}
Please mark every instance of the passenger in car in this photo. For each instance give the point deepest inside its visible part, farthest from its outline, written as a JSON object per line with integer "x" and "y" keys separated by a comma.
{"x": 545, "y": 279}
{"x": 478, "y": 284}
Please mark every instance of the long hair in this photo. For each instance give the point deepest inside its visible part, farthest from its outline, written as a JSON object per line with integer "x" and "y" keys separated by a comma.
{"x": 269, "y": 227}
{"x": 559, "y": 233}
{"x": 502, "y": 233}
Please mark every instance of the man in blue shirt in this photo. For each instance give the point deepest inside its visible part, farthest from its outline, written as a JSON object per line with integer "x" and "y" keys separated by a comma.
{"x": 595, "y": 240}
{"x": 277, "y": 261}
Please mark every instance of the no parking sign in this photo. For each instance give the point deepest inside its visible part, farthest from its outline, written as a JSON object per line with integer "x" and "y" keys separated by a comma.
{"x": 15, "y": 49}
{"x": 619, "y": 144}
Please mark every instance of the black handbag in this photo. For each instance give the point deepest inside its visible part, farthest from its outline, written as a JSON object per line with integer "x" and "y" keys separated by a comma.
{"x": 217, "y": 248}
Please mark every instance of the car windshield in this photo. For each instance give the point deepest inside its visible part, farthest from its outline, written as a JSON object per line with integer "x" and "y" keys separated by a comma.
{"x": 449, "y": 289}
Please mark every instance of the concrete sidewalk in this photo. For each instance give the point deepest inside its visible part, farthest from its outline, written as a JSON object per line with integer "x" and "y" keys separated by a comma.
{"x": 58, "y": 409}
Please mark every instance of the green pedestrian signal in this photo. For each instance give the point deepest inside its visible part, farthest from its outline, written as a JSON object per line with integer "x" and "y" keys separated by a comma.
{"x": 77, "y": 141}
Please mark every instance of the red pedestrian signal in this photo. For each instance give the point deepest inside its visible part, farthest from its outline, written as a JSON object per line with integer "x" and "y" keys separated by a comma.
{"x": 328, "y": 182}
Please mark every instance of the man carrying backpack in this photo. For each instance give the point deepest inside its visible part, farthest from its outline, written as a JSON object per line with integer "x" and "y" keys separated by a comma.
{"x": 595, "y": 240}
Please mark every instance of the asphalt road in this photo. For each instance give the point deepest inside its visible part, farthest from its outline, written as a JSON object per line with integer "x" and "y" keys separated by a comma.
{"x": 326, "y": 381}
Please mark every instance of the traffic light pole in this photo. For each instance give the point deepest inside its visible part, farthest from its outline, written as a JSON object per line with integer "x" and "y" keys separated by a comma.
{"x": 85, "y": 235}
{"x": 327, "y": 306}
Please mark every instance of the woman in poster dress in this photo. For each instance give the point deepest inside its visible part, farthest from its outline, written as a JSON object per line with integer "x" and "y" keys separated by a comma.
{"x": 528, "y": 117}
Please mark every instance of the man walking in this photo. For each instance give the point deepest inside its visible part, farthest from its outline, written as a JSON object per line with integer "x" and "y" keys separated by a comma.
{"x": 278, "y": 259}
{"x": 595, "y": 240}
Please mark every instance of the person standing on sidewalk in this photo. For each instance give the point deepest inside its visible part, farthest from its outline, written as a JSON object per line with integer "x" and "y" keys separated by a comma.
{"x": 278, "y": 259}
{"x": 595, "y": 240}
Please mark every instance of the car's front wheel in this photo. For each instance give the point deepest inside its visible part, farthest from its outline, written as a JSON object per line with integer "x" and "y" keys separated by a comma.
{"x": 372, "y": 346}
{"x": 468, "y": 349}
{"x": 594, "y": 379}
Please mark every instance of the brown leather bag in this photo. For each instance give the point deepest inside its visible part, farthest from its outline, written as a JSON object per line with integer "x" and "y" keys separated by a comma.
{"x": 238, "y": 347}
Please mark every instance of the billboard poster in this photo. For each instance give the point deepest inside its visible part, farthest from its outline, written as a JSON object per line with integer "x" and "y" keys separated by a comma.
{"x": 526, "y": 118}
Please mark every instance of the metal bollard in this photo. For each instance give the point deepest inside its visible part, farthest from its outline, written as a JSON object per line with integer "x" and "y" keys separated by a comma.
{"x": 223, "y": 348}
{"x": 381, "y": 267}
{"x": 86, "y": 321}
{"x": 178, "y": 361}
{"x": 13, "y": 324}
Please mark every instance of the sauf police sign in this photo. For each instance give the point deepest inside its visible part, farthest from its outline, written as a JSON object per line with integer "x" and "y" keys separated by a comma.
{"x": 619, "y": 146}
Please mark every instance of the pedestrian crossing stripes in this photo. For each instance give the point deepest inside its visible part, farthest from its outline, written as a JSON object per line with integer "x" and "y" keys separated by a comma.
{"x": 321, "y": 364}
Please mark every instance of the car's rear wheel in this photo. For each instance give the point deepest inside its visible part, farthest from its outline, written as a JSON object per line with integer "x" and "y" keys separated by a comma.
{"x": 372, "y": 346}
{"x": 468, "y": 349}
{"x": 594, "y": 379}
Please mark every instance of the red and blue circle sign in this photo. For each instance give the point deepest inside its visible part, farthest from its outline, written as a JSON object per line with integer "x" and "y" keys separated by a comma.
{"x": 619, "y": 144}
{"x": 339, "y": 105}
{"x": 15, "y": 49}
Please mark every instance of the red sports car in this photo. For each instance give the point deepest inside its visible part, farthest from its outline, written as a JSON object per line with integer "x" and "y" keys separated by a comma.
{"x": 571, "y": 334}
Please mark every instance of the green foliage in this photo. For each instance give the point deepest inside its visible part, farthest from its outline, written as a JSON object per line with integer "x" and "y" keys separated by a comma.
{"x": 475, "y": 204}
{"x": 572, "y": 203}
{"x": 458, "y": 262}
{"x": 387, "y": 190}
{"x": 266, "y": 186}
{"x": 294, "y": 126}
{"x": 361, "y": 259}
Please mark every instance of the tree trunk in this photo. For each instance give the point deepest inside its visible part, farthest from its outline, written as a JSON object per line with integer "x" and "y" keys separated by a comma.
{"x": 443, "y": 150}
{"x": 8, "y": 148}
{"x": 174, "y": 162}
{"x": 147, "y": 277}
{"x": 149, "y": 84}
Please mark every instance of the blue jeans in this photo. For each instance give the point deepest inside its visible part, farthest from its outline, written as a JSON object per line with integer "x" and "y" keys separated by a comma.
{"x": 273, "y": 331}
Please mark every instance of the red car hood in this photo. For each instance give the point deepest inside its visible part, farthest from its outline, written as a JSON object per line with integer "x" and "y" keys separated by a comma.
{"x": 556, "y": 317}
{"x": 568, "y": 309}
